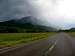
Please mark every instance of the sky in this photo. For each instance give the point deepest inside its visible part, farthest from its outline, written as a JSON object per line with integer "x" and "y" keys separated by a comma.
{"x": 56, "y": 13}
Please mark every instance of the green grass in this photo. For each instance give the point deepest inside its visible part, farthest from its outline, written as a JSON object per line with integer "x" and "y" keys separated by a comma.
{"x": 72, "y": 34}
{"x": 12, "y": 39}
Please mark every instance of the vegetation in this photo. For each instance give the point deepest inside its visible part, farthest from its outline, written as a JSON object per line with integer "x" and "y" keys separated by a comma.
{"x": 12, "y": 39}
{"x": 67, "y": 30}
{"x": 23, "y": 25}
{"x": 13, "y": 32}
{"x": 72, "y": 33}
{"x": 14, "y": 29}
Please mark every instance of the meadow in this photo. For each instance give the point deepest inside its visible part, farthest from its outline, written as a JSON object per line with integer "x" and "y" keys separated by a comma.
{"x": 12, "y": 39}
{"x": 72, "y": 34}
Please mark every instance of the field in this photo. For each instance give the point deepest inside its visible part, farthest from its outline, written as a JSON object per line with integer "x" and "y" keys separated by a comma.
{"x": 72, "y": 34}
{"x": 12, "y": 39}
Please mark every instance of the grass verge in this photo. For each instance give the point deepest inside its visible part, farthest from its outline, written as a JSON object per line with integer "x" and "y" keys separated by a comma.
{"x": 12, "y": 39}
{"x": 72, "y": 34}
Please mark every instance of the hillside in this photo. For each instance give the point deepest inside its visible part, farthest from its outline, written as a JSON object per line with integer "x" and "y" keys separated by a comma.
{"x": 25, "y": 24}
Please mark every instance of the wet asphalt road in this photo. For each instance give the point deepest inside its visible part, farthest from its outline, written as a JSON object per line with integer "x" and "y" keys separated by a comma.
{"x": 65, "y": 46}
{"x": 60, "y": 44}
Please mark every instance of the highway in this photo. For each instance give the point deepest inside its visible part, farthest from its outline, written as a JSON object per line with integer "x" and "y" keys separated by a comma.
{"x": 65, "y": 46}
{"x": 61, "y": 44}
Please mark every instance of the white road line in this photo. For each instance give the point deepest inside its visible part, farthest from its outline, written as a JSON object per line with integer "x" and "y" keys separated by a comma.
{"x": 51, "y": 48}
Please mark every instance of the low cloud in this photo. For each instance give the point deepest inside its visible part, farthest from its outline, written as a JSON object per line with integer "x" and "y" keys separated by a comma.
{"x": 57, "y": 13}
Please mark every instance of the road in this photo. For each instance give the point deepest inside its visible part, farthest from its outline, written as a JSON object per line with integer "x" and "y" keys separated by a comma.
{"x": 65, "y": 46}
{"x": 60, "y": 44}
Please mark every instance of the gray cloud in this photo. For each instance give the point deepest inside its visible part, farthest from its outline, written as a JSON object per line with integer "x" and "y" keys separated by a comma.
{"x": 50, "y": 12}
{"x": 13, "y": 8}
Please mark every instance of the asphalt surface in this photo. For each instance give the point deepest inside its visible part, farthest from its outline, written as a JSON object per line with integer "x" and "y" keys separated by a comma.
{"x": 60, "y": 44}
{"x": 65, "y": 46}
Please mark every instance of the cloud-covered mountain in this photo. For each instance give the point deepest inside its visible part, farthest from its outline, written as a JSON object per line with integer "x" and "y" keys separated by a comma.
{"x": 26, "y": 23}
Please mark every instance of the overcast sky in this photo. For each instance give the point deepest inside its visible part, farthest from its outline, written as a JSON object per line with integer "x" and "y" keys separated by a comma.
{"x": 58, "y": 13}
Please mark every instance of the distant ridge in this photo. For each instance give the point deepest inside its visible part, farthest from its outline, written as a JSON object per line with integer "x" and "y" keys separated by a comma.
{"x": 25, "y": 24}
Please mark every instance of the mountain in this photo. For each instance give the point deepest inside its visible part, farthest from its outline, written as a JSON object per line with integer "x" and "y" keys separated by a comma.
{"x": 68, "y": 30}
{"x": 72, "y": 30}
{"x": 25, "y": 24}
